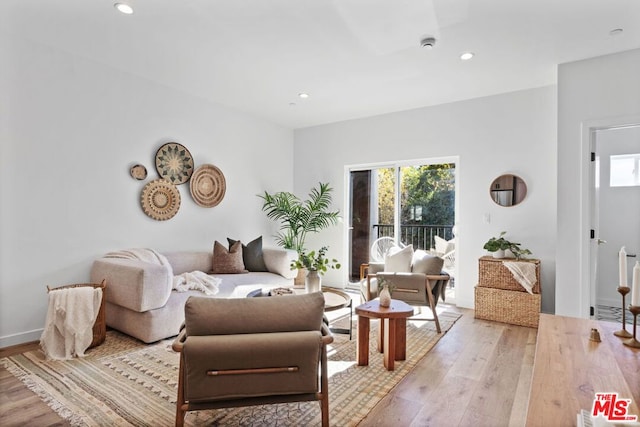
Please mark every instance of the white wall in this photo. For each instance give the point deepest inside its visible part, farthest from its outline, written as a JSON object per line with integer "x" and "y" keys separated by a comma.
{"x": 510, "y": 133}
{"x": 597, "y": 92}
{"x": 71, "y": 128}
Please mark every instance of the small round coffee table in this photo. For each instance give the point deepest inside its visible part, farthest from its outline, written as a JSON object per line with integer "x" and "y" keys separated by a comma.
{"x": 392, "y": 332}
{"x": 335, "y": 299}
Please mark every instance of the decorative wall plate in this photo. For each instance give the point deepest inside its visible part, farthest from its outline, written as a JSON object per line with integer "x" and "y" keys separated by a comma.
{"x": 138, "y": 172}
{"x": 207, "y": 186}
{"x": 160, "y": 200}
{"x": 174, "y": 163}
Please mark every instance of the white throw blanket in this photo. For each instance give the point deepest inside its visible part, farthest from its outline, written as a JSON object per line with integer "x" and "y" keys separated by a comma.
{"x": 71, "y": 314}
{"x": 195, "y": 280}
{"x": 524, "y": 273}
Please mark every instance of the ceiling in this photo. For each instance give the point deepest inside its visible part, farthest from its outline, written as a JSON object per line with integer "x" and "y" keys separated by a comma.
{"x": 355, "y": 58}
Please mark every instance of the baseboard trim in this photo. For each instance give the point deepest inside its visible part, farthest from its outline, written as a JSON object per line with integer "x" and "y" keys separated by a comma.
{"x": 21, "y": 338}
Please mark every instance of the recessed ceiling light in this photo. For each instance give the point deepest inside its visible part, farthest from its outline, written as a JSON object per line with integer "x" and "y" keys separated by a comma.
{"x": 303, "y": 95}
{"x": 124, "y": 8}
{"x": 466, "y": 56}
{"x": 616, "y": 32}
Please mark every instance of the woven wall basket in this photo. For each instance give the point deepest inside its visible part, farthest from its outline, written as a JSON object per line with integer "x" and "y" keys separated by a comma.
{"x": 174, "y": 163}
{"x": 160, "y": 200}
{"x": 207, "y": 186}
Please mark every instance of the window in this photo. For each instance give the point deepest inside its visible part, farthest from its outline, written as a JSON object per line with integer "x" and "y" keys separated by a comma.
{"x": 625, "y": 170}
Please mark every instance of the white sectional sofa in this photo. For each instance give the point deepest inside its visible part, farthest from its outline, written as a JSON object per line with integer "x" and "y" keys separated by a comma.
{"x": 140, "y": 301}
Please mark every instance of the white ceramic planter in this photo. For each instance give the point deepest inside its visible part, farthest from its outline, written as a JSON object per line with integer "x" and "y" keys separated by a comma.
{"x": 498, "y": 254}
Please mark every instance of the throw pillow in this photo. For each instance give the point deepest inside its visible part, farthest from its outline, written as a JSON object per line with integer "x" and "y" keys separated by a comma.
{"x": 444, "y": 246}
{"x": 426, "y": 264}
{"x": 228, "y": 261}
{"x": 251, "y": 254}
{"x": 399, "y": 260}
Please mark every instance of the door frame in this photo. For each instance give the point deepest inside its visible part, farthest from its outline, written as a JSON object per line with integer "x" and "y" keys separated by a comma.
{"x": 587, "y": 250}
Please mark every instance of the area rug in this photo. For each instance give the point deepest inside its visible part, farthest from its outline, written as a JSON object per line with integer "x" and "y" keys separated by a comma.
{"x": 124, "y": 382}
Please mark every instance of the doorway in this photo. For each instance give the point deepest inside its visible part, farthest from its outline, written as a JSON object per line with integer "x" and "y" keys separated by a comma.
{"x": 410, "y": 202}
{"x": 615, "y": 212}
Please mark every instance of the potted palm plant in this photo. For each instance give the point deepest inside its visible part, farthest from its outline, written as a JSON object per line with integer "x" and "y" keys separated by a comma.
{"x": 299, "y": 217}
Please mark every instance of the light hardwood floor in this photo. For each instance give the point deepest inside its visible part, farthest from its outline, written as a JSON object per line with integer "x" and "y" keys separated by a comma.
{"x": 478, "y": 374}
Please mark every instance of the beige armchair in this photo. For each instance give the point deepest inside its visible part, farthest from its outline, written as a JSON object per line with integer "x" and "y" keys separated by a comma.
{"x": 419, "y": 287}
{"x": 252, "y": 351}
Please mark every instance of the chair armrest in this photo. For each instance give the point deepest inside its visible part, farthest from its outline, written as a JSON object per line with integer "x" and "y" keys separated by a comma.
{"x": 178, "y": 343}
{"x": 364, "y": 271}
{"x": 278, "y": 260}
{"x": 438, "y": 277}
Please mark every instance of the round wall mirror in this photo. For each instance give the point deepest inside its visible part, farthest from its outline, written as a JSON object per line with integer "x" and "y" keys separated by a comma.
{"x": 508, "y": 190}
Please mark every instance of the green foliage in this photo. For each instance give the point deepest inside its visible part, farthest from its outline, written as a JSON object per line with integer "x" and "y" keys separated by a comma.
{"x": 318, "y": 262}
{"x": 298, "y": 218}
{"x": 429, "y": 189}
{"x": 432, "y": 188}
{"x": 386, "y": 190}
{"x": 500, "y": 243}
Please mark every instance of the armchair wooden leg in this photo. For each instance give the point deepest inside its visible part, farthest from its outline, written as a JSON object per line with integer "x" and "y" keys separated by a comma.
{"x": 432, "y": 305}
{"x": 180, "y": 411}
{"x": 435, "y": 317}
{"x": 324, "y": 388}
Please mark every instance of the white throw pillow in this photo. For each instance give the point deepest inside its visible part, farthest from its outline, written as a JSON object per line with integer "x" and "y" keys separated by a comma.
{"x": 444, "y": 246}
{"x": 399, "y": 260}
{"x": 426, "y": 263}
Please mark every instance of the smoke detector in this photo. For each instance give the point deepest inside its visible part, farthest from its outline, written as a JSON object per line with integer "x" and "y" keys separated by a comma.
{"x": 428, "y": 42}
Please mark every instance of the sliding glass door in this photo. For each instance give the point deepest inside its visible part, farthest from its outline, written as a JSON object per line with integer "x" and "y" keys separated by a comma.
{"x": 411, "y": 203}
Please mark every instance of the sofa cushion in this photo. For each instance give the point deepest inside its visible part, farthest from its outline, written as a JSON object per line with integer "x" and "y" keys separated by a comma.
{"x": 188, "y": 261}
{"x": 228, "y": 261}
{"x": 426, "y": 264}
{"x": 251, "y": 254}
{"x": 399, "y": 260}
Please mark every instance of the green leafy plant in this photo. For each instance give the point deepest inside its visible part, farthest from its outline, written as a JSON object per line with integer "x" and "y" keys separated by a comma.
{"x": 315, "y": 262}
{"x": 500, "y": 243}
{"x": 297, "y": 217}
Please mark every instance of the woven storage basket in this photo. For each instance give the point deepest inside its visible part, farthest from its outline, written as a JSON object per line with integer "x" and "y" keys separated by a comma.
{"x": 100, "y": 327}
{"x": 514, "y": 307}
{"x": 493, "y": 274}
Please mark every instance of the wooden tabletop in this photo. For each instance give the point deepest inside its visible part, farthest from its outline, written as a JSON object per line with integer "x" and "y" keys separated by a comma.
{"x": 335, "y": 299}
{"x": 397, "y": 309}
{"x": 569, "y": 370}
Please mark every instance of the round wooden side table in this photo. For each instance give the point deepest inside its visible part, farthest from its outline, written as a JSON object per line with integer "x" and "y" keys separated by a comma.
{"x": 392, "y": 333}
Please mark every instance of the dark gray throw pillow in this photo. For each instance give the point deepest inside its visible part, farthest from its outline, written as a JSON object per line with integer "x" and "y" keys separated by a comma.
{"x": 252, "y": 254}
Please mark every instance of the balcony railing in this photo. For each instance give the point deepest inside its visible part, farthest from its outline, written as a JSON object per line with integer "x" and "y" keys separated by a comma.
{"x": 420, "y": 236}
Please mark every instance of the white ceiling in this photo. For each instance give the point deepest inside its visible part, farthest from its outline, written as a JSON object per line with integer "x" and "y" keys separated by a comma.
{"x": 355, "y": 58}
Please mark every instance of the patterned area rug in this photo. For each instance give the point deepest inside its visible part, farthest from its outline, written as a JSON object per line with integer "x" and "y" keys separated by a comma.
{"x": 124, "y": 382}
